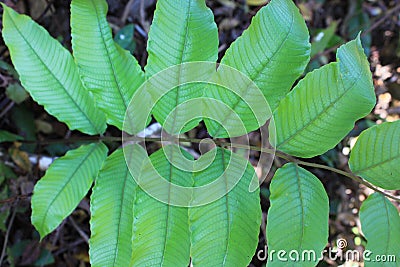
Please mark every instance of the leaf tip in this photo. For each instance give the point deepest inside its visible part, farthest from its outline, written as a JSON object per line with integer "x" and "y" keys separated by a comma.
{"x": 4, "y": 6}
{"x": 41, "y": 229}
{"x": 7, "y": 10}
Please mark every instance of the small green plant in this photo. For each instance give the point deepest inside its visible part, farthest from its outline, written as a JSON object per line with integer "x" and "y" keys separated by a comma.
{"x": 167, "y": 209}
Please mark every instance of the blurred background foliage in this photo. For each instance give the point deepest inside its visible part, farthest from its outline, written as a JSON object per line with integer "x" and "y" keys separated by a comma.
{"x": 331, "y": 23}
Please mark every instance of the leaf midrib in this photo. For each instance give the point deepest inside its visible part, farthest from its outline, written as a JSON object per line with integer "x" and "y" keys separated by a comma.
{"x": 259, "y": 70}
{"x": 182, "y": 56}
{"x": 388, "y": 224}
{"x": 168, "y": 209}
{"x": 396, "y": 156}
{"x": 83, "y": 162}
{"x": 325, "y": 110}
{"x": 264, "y": 65}
{"x": 52, "y": 74}
{"x": 302, "y": 219}
{"x": 127, "y": 176}
{"x": 228, "y": 228}
{"x": 111, "y": 64}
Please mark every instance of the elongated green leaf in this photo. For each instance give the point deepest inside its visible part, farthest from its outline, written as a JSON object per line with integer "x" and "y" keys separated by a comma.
{"x": 110, "y": 72}
{"x": 64, "y": 185}
{"x": 160, "y": 231}
{"x": 273, "y": 52}
{"x": 376, "y": 155}
{"x": 111, "y": 205}
{"x": 380, "y": 223}
{"x": 181, "y": 31}
{"x": 48, "y": 72}
{"x": 225, "y": 232}
{"x": 8, "y": 137}
{"x": 320, "y": 110}
{"x": 298, "y": 217}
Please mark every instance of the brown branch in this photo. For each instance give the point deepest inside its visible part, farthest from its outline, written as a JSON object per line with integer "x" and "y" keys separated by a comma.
{"x": 10, "y": 224}
{"x": 223, "y": 144}
{"x": 382, "y": 19}
{"x": 15, "y": 198}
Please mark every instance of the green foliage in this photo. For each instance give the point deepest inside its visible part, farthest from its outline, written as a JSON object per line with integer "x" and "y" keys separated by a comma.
{"x": 111, "y": 205}
{"x": 66, "y": 182}
{"x": 322, "y": 39}
{"x": 321, "y": 104}
{"x": 16, "y": 93}
{"x": 48, "y": 72}
{"x": 179, "y": 35}
{"x": 111, "y": 73}
{"x": 381, "y": 226}
{"x": 202, "y": 211}
{"x": 125, "y": 38}
{"x": 265, "y": 63}
{"x": 8, "y": 137}
{"x": 161, "y": 234}
{"x": 272, "y": 66}
{"x": 227, "y": 225}
{"x": 376, "y": 155}
{"x": 305, "y": 227}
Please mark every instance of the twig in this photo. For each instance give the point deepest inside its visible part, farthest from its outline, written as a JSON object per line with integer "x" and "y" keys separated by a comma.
{"x": 54, "y": 241}
{"x": 3, "y": 252}
{"x": 325, "y": 52}
{"x": 7, "y": 108}
{"x": 338, "y": 171}
{"x": 68, "y": 246}
{"x": 126, "y": 11}
{"x": 382, "y": 19}
{"x": 15, "y": 198}
{"x": 226, "y": 144}
{"x": 141, "y": 31}
{"x": 79, "y": 230}
{"x": 48, "y": 6}
{"x": 371, "y": 28}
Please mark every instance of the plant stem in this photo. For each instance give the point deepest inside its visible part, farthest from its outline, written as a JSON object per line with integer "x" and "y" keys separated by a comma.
{"x": 221, "y": 144}
{"x": 10, "y": 224}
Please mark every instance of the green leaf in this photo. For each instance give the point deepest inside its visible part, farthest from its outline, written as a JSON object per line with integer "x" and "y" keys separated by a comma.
{"x": 160, "y": 231}
{"x": 64, "y": 185}
{"x": 376, "y": 155}
{"x": 233, "y": 105}
{"x": 111, "y": 205}
{"x": 274, "y": 51}
{"x": 111, "y": 73}
{"x": 358, "y": 20}
{"x": 48, "y": 72}
{"x": 380, "y": 223}
{"x": 320, "y": 110}
{"x": 181, "y": 31}
{"x": 322, "y": 39}
{"x": 6, "y": 173}
{"x": 125, "y": 37}
{"x": 298, "y": 217}
{"x": 16, "y": 93}
{"x": 225, "y": 232}
{"x": 8, "y": 137}
{"x": 9, "y": 69}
